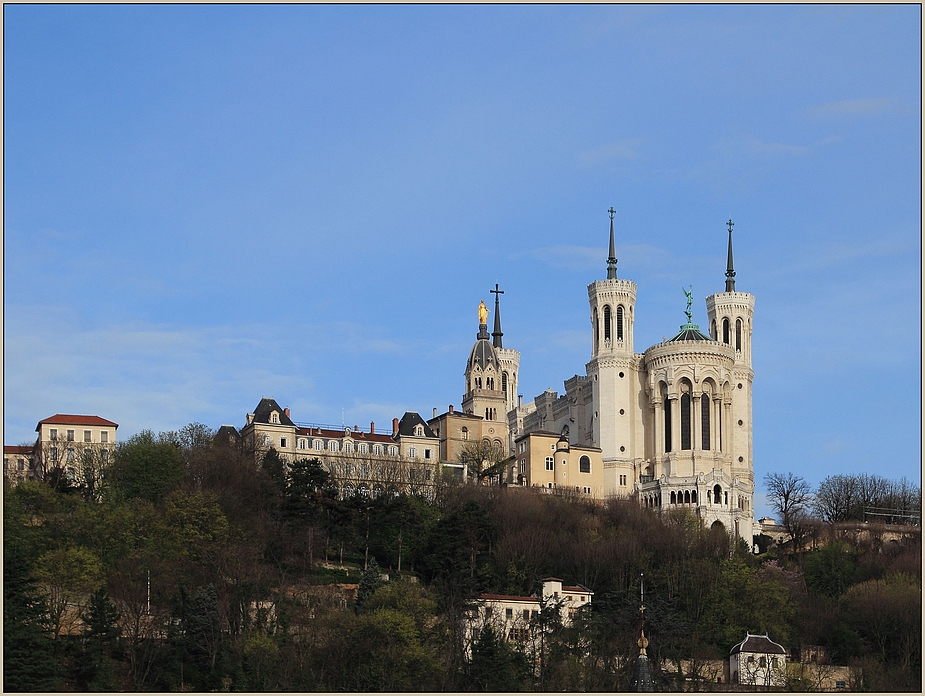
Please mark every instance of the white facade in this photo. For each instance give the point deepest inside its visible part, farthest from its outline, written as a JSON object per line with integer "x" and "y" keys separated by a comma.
{"x": 758, "y": 661}
{"x": 675, "y": 421}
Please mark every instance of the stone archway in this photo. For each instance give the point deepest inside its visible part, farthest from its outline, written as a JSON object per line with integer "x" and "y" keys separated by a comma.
{"x": 718, "y": 525}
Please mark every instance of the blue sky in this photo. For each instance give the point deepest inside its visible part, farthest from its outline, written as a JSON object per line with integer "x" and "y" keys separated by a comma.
{"x": 204, "y": 205}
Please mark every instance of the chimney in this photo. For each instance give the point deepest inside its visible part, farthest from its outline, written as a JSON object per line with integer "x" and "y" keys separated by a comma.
{"x": 250, "y": 418}
{"x": 451, "y": 408}
{"x": 394, "y": 427}
{"x": 286, "y": 411}
{"x": 355, "y": 428}
{"x": 372, "y": 427}
{"x": 520, "y": 400}
{"x": 435, "y": 411}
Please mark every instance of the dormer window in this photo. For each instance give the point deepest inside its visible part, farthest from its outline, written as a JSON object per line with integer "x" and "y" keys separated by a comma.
{"x": 419, "y": 431}
{"x": 274, "y": 417}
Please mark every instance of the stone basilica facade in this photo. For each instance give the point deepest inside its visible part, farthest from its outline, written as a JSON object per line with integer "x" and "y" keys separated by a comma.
{"x": 671, "y": 424}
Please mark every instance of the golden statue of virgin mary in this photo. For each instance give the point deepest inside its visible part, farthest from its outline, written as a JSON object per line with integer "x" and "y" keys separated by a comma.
{"x": 483, "y": 313}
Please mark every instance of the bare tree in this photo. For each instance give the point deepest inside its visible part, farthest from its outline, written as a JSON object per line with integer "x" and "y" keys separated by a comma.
{"x": 790, "y": 497}
{"x": 485, "y": 460}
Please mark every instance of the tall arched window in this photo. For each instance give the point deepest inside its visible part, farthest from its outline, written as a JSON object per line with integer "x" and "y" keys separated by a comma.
{"x": 717, "y": 494}
{"x": 738, "y": 334}
{"x": 606, "y": 322}
{"x": 504, "y": 383}
{"x": 713, "y": 329}
{"x": 667, "y": 409}
{"x": 725, "y": 331}
{"x": 620, "y": 323}
{"x": 597, "y": 333}
{"x": 673, "y": 498}
{"x": 685, "y": 421}
{"x": 705, "y": 419}
{"x": 584, "y": 465}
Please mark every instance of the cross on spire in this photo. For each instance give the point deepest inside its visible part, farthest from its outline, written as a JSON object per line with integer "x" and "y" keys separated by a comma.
{"x": 611, "y": 211}
{"x": 496, "y": 334}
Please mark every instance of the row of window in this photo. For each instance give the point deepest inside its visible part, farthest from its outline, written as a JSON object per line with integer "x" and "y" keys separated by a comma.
{"x": 70, "y": 435}
{"x": 584, "y": 464}
{"x": 685, "y": 408}
{"x": 610, "y": 327}
{"x": 337, "y": 446}
{"x": 726, "y": 332}
{"x": 71, "y": 456}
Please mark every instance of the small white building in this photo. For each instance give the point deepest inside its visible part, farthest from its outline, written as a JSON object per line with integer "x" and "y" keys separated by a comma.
{"x": 517, "y": 618}
{"x": 758, "y": 661}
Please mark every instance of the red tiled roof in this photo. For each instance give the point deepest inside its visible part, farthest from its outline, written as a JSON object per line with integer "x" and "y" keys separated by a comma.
{"x": 17, "y": 449}
{"x": 576, "y": 588}
{"x": 68, "y": 419}
{"x": 508, "y": 598}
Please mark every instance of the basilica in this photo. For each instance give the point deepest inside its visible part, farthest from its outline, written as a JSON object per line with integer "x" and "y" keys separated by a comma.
{"x": 671, "y": 424}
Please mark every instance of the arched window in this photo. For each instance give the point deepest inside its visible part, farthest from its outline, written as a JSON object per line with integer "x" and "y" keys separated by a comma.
{"x": 738, "y": 334}
{"x": 726, "y": 331}
{"x": 465, "y": 433}
{"x": 685, "y": 421}
{"x": 687, "y": 496}
{"x": 504, "y": 383}
{"x": 490, "y": 382}
{"x": 584, "y": 465}
{"x": 705, "y": 420}
{"x": 717, "y": 494}
{"x": 713, "y": 329}
{"x": 667, "y": 409}
{"x": 597, "y": 334}
{"x": 620, "y": 323}
{"x": 694, "y": 497}
{"x": 606, "y": 322}
{"x": 673, "y": 499}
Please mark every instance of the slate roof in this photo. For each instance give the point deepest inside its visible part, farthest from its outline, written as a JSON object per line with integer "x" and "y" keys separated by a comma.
{"x": 642, "y": 681}
{"x": 408, "y": 422}
{"x": 689, "y": 332}
{"x": 758, "y": 644}
{"x": 70, "y": 419}
{"x": 354, "y": 434}
{"x": 262, "y": 412}
{"x": 483, "y": 353}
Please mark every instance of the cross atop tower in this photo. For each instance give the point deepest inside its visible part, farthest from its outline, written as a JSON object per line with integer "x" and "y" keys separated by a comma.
{"x": 496, "y": 334}
{"x": 730, "y": 272}
{"x": 612, "y": 258}
{"x": 611, "y": 211}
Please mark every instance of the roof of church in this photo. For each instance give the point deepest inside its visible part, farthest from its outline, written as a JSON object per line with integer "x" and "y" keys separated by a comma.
{"x": 758, "y": 644}
{"x": 70, "y": 419}
{"x": 265, "y": 407}
{"x": 689, "y": 332}
{"x": 642, "y": 680}
{"x": 409, "y": 421}
{"x": 483, "y": 352}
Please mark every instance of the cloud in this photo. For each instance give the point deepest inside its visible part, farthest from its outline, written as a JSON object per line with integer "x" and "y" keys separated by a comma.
{"x": 624, "y": 149}
{"x": 871, "y": 106}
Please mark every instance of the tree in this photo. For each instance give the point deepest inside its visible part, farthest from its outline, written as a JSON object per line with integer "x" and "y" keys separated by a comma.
{"x": 28, "y": 663}
{"x": 496, "y": 665}
{"x": 484, "y": 459}
{"x": 790, "y": 497}
{"x": 371, "y": 581}
{"x": 146, "y": 468}
{"x": 101, "y": 634}
{"x": 67, "y": 576}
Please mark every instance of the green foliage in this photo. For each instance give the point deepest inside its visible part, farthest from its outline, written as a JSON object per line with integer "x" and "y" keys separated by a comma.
{"x": 832, "y": 569}
{"x": 101, "y": 634}
{"x": 372, "y": 581}
{"x": 496, "y": 665}
{"x": 28, "y": 662}
{"x": 145, "y": 468}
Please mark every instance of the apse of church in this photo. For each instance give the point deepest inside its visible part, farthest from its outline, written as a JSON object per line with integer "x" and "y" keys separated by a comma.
{"x": 673, "y": 423}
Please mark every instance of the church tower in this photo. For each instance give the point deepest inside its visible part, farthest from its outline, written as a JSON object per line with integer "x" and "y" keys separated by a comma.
{"x": 484, "y": 395}
{"x": 730, "y": 315}
{"x": 508, "y": 359}
{"x": 613, "y": 371}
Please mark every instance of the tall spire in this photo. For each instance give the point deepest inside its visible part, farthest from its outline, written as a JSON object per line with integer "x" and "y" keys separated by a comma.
{"x": 496, "y": 334}
{"x": 612, "y": 259}
{"x": 730, "y": 272}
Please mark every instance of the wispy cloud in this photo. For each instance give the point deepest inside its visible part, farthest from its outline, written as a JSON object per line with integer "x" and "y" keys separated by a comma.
{"x": 624, "y": 149}
{"x": 870, "y": 106}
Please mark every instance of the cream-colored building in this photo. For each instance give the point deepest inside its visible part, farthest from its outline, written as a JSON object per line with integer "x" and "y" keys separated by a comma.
{"x": 547, "y": 460}
{"x": 17, "y": 463}
{"x": 82, "y": 446}
{"x": 517, "y": 618}
{"x": 674, "y": 421}
{"x": 364, "y": 462}
{"x": 758, "y": 661}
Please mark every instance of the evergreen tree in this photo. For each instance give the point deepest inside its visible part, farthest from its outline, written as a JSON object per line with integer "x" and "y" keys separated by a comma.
{"x": 100, "y": 636}
{"x": 372, "y": 581}
{"x": 28, "y": 662}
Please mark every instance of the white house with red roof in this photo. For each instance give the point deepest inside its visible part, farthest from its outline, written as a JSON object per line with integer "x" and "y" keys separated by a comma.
{"x": 80, "y": 445}
{"x": 517, "y": 618}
